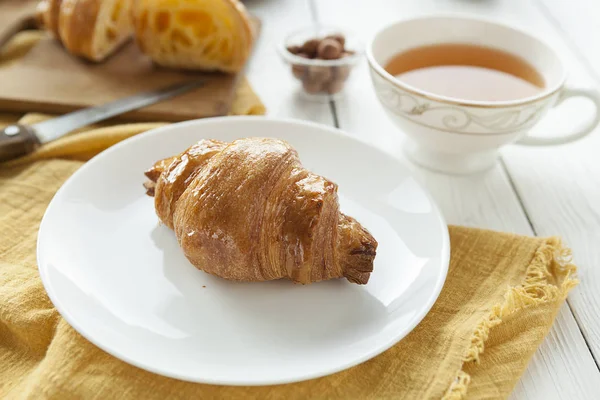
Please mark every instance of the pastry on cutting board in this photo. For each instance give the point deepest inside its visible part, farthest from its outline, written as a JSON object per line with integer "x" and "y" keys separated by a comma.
{"x": 208, "y": 35}
{"x": 92, "y": 29}
{"x": 48, "y": 11}
{"x": 249, "y": 211}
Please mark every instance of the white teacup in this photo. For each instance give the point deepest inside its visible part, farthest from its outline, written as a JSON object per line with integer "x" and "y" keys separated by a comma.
{"x": 457, "y": 135}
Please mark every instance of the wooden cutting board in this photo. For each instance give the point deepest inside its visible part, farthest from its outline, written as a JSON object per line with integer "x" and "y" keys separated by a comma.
{"x": 49, "y": 79}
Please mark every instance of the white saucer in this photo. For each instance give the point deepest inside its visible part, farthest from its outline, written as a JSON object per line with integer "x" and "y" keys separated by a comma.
{"x": 120, "y": 279}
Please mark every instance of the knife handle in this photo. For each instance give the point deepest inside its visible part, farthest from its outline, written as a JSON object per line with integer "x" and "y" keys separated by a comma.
{"x": 16, "y": 141}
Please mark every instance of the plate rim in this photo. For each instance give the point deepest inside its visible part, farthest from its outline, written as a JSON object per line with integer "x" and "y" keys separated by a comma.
{"x": 377, "y": 350}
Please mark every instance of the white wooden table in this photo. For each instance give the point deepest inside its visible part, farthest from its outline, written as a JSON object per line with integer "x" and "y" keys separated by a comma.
{"x": 533, "y": 191}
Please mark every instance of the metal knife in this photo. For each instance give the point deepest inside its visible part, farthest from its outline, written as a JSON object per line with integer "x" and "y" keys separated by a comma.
{"x": 17, "y": 140}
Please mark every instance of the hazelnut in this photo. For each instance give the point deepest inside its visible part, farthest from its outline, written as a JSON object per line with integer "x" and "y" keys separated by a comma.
{"x": 299, "y": 71}
{"x": 311, "y": 86}
{"x": 339, "y": 38}
{"x": 294, "y": 49}
{"x": 342, "y": 72}
{"x": 320, "y": 73}
{"x": 329, "y": 49}
{"x": 334, "y": 86}
{"x": 310, "y": 47}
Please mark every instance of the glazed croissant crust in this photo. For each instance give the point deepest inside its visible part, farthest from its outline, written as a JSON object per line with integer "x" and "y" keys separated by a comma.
{"x": 248, "y": 210}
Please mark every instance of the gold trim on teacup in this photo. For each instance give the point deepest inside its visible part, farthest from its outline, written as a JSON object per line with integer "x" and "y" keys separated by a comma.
{"x": 455, "y": 119}
{"x": 452, "y": 131}
{"x": 394, "y": 82}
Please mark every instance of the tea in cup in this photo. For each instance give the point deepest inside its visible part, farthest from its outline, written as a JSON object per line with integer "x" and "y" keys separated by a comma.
{"x": 461, "y": 87}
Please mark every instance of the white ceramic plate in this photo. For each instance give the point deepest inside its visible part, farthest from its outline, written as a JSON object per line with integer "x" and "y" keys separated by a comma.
{"x": 121, "y": 280}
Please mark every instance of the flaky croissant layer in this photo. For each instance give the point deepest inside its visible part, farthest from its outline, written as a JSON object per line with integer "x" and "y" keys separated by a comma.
{"x": 248, "y": 210}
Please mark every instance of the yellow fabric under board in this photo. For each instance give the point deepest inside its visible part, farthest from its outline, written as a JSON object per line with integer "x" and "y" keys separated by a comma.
{"x": 499, "y": 301}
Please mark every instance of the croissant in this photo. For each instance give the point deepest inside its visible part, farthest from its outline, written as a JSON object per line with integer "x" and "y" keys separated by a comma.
{"x": 193, "y": 34}
{"x": 48, "y": 11}
{"x": 92, "y": 29}
{"x": 249, "y": 211}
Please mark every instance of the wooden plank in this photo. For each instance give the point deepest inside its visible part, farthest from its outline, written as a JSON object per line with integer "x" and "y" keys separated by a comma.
{"x": 563, "y": 366}
{"x": 560, "y": 186}
{"x": 269, "y": 76}
{"x": 577, "y": 20}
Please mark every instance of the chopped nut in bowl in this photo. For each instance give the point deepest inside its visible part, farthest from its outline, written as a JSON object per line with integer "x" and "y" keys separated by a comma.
{"x": 321, "y": 59}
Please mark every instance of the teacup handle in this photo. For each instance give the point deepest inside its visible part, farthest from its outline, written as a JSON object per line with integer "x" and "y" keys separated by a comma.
{"x": 580, "y": 131}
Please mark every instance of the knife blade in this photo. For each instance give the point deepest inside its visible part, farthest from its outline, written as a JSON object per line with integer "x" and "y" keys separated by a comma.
{"x": 17, "y": 140}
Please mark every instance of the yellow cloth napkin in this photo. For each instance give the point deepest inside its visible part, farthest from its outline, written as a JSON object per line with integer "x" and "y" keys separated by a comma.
{"x": 500, "y": 298}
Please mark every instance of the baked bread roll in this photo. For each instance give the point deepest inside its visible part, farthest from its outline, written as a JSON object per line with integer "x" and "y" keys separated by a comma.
{"x": 92, "y": 29}
{"x": 249, "y": 211}
{"x": 193, "y": 34}
{"x": 48, "y": 11}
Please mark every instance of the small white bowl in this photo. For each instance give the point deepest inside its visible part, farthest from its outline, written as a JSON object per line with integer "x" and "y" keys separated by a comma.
{"x": 338, "y": 70}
